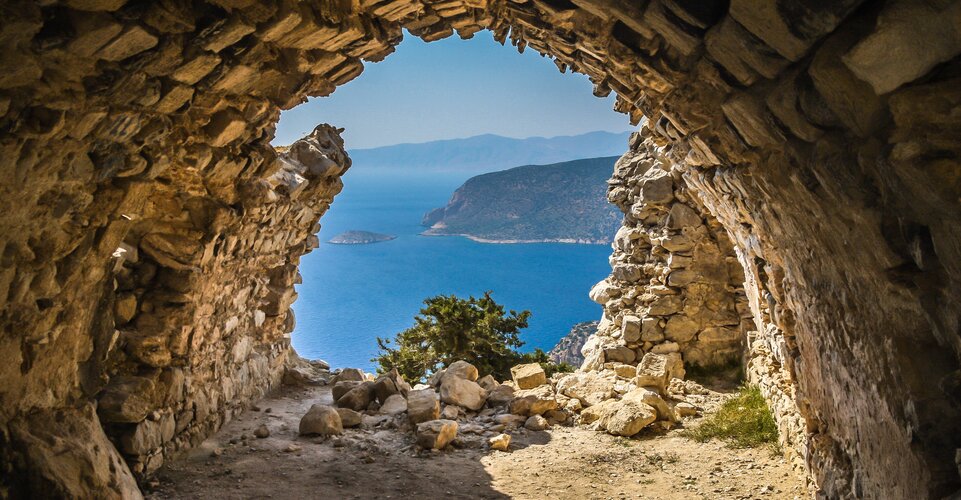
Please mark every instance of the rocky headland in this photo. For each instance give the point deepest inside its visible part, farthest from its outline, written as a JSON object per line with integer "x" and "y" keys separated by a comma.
{"x": 562, "y": 202}
{"x": 359, "y": 238}
{"x": 568, "y": 348}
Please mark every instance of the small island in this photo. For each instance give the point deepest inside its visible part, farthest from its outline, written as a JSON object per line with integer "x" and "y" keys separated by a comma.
{"x": 359, "y": 238}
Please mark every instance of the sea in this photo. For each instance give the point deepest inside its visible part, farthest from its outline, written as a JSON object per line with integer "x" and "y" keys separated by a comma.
{"x": 352, "y": 294}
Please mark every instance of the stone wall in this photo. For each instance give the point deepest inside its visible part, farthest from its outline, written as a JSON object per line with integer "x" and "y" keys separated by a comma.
{"x": 822, "y": 136}
{"x": 675, "y": 285}
{"x": 678, "y": 285}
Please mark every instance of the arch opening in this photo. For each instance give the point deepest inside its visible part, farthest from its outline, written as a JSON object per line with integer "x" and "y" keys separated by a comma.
{"x": 830, "y": 163}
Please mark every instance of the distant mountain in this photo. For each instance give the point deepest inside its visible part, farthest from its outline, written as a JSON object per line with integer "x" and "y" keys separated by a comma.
{"x": 487, "y": 153}
{"x": 565, "y": 202}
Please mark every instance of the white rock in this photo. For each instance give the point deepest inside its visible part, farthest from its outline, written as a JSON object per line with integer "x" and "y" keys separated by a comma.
{"x": 500, "y": 442}
{"x": 528, "y": 376}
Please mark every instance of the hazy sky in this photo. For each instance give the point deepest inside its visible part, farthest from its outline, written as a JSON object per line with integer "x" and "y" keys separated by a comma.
{"x": 456, "y": 88}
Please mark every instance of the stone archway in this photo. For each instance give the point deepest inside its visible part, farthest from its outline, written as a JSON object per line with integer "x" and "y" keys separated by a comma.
{"x": 823, "y": 137}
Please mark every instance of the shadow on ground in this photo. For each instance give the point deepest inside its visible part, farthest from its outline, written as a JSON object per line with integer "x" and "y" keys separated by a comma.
{"x": 379, "y": 462}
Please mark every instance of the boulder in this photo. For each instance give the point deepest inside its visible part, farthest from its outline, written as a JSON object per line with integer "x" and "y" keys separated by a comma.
{"x": 394, "y": 404}
{"x": 349, "y": 418}
{"x": 389, "y": 384}
{"x": 557, "y": 417}
{"x": 536, "y": 423}
{"x": 462, "y": 369}
{"x": 262, "y": 432}
{"x": 682, "y": 410}
{"x": 349, "y": 374}
{"x": 450, "y": 412}
{"x": 488, "y": 382}
{"x": 657, "y": 370}
{"x": 590, "y": 388}
{"x": 528, "y": 376}
{"x": 500, "y": 395}
{"x": 343, "y": 387}
{"x": 435, "y": 378}
{"x": 509, "y": 420}
{"x": 436, "y": 434}
{"x": 599, "y": 412}
{"x": 629, "y": 418}
{"x": 321, "y": 419}
{"x": 422, "y": 405}
{"x": 621, "y": 418}
{"x": 652, "y": 399}
{"x": 384, "y": 388}
{"x": 357, "y": 398}
{"x": 535, "y": 401}
{"x": 462, "y": 392}
{"x": 500, "y": 442}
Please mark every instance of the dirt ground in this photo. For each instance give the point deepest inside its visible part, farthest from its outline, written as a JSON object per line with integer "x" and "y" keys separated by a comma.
{"x": 560, "y": 463}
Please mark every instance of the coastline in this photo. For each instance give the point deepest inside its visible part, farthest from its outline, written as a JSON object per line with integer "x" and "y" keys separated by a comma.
{"x": 330, "y": 242}
{"x": 478, "y": 239}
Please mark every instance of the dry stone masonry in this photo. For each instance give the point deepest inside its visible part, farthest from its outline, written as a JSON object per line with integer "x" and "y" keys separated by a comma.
{"x": 149, "y": 234}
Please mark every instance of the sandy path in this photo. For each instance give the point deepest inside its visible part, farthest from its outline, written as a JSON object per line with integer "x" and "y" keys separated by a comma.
{"x": 562, "y": 463}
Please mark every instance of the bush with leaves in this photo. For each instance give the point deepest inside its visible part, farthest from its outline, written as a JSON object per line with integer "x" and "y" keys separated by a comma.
{"x": 448, "y": 329}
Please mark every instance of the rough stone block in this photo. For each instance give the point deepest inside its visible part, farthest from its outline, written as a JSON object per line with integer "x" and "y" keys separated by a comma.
{"x": 129, "y": 43}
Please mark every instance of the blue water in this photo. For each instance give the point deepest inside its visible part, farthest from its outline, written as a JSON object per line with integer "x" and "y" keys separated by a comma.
{"x": 352, "y": 294}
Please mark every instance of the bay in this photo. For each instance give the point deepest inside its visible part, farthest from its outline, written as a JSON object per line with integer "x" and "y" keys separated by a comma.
{"x": 352, "y": 294}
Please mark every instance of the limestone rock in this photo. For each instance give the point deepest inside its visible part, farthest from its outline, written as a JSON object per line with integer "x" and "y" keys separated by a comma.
{"x": 394, "y": 404}
{"x": 262, "y": 432}
{"x": 343, "y": 387}
{"x": 652, "y": 399}
{"x": 349, "y": 374}
{"x": 589, "y": 388}
{"x": 71, "y": 456}
{"x": 500, "y": 442}
{"x": 462, "y": 392}
{"x": 462, "y": 369}
{"x": 450, "y": 412}
{"x": 536, "y": 423}
{"x": 657, "y": 370}
{"x": 389, "y": 384}
{"x": 682, "y": 410}
{"x": 436, "y": 434}
{"x": 500, "y": 395}
{"x": 510, "y": 420}
{"x": 422, "y": 405}
{"x": 487, "y": 382}
{"x": 536, "y": 401}
{"x": 528, "y": 376}
{"x": 349, "y": 418}
{"x": 629, "y": 418}
{"x": 358, "y": 398}
{"x": 322, "y": 420}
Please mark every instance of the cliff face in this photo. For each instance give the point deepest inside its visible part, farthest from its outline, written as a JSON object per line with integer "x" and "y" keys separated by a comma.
{"x": 568, "y": 349}
{"x": 559, "y": 202}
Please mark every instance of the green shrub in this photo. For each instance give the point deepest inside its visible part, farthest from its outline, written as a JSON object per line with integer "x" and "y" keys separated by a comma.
{"x": 448, "y": 329}
{"x": 744, "y": 421}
